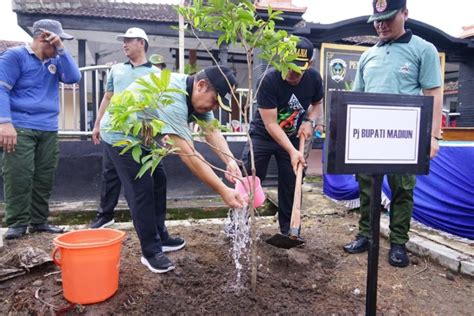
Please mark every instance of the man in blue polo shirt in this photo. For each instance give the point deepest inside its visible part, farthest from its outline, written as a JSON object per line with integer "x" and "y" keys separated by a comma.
{"x": 400, "y": 63}
{"x": 29, "y": 109}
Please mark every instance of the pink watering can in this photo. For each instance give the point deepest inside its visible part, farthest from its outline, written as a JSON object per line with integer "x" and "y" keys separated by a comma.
{"x": 243, "y": 187}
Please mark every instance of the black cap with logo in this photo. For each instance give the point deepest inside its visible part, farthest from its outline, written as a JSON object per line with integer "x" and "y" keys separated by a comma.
{"x": 304, "y": 50}
{"x": 385, "y": 9}
{"x": 219, "y": 82}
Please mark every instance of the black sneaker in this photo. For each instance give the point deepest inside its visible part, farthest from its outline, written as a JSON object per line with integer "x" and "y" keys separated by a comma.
{"x": 173, "y": 244}
{"x": 397, "y": 256}
{"x": 101, "y": 222}
{"x": 360, "y": 244}
{"x": 159, "y": 263}
{"x": 45, "y": 227}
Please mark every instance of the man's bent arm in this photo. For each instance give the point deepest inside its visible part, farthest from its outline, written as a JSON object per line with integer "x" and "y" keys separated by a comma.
{"x": 222, "y": 150}
{"x": 437, "y": 93}
{"x": 196, "y": 163}
{"x": 102, "y": 108}
{"x": 269, "y": 117}
{"x": 315, "y": 113}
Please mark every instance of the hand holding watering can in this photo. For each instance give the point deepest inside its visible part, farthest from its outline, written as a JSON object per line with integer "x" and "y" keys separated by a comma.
{"x": 243, "y": 186}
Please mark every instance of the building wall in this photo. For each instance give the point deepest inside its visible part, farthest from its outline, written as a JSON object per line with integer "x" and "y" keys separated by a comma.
{"x": 78, "y": 175}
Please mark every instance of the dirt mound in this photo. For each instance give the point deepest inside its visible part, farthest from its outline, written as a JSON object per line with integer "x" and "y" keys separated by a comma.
{"x": 207, "y": 284}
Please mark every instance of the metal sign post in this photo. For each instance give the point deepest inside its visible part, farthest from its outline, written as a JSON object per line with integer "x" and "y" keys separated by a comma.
{"x": 374, "y": 236}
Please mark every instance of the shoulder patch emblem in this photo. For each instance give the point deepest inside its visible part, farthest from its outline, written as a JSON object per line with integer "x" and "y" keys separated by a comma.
{"x": 405, "y": 68}
{"x": 52, "y": 69}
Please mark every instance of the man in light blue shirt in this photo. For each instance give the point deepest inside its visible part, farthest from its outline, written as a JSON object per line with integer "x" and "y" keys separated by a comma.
{"x": 29, "y": 109}
{"x": 135, "y": 46}
{"x": 405, "y": 64}
{"x": 205, "y": 92}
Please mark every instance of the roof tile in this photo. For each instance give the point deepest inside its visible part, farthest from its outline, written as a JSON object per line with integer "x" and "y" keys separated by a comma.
{"x": 7, "y": 44}
{"x": 98, "y": 8}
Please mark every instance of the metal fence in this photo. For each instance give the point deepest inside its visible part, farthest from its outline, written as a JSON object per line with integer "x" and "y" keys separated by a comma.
{"x": 79, "y": 105}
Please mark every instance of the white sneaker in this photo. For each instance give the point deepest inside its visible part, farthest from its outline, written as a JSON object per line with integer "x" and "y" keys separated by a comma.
{"x": 173, "y": 244}
{"x": 159, "y": 263}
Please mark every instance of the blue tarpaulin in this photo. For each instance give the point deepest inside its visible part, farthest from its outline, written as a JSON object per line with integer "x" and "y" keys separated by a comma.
{"x": 444, "y": 199}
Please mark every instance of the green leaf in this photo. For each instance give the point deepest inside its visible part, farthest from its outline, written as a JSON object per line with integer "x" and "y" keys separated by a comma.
{"x": 145, "y": 83}
{"x": 269, "y": 11}
{"x": 146, "y": 158}
{"x": 294, "y": 67}
{"x": 144, "y": 169}
{"x": 155, "y": 163}
{"x": 196, "y": 21}
{"x": 125, "y": 149}
{"x": 245, "y": 15}
{"x": 221, "y": 39}
{"x": 137, "y": 126}
{"x": 157, "y": 126}
{"x": 249, "y": 5}
{"x": 157, "y": 82}
{"x": 121, "y": 143}
{"x": 165, "y": 78}
{"x": 137, "y": 153}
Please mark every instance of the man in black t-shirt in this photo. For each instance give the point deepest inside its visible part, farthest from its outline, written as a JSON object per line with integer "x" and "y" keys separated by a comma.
{"x": 287, "y": 109}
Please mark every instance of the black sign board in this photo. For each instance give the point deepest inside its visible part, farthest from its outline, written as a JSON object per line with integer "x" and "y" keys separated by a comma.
{"x": 378, "y": 133}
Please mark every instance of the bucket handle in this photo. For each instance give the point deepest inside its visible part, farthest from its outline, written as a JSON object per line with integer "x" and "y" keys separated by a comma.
{"x": 55, "y": 252}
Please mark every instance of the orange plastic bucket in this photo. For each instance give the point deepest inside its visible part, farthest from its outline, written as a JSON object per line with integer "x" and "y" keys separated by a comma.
{"x": 89, "y": 261}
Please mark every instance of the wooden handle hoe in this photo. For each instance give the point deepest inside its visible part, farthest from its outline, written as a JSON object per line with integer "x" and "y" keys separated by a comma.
{"x": 292, "y": 239}
{"x": 296, "y": 211}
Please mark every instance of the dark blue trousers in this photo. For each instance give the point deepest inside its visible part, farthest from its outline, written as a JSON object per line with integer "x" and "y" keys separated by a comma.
{"x": 263, "y": 151}
{"x": 146, "y": 198}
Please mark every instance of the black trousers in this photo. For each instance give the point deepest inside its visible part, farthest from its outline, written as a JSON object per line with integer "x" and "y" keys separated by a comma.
{"x": 146, "y": 198}
{"x": 110, "y": 187}
{"x": 263, "y": 151}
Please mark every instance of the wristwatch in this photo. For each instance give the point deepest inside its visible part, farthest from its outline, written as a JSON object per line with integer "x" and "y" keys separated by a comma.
{"x": 313, "y": 122}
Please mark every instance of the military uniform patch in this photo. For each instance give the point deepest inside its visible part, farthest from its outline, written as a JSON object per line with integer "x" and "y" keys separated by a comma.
{"x": 381, "y": 5}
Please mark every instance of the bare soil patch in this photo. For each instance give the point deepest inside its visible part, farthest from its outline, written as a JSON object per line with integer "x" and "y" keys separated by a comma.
{"x": 316, "y": 279}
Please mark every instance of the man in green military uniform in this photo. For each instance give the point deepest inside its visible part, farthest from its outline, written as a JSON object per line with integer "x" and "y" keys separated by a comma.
{"x": 400, "y": 63}
{"x": 158, "y": 61}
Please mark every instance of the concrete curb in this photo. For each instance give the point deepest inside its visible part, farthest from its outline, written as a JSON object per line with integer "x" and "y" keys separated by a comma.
{"x": 129, "y": 225}
{"x": 452, "y": 259}
{"x": 171, "y": 223}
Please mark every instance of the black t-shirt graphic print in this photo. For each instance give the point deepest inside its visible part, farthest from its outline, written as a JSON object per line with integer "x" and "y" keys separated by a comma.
{"x": 289, "y": 116}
